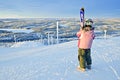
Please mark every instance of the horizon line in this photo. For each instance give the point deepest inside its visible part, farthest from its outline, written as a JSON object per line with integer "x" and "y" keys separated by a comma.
{"x": 55, "y": 18}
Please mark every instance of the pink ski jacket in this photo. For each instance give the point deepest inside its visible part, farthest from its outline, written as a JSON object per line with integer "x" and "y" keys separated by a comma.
{"x": 85, "y": 39}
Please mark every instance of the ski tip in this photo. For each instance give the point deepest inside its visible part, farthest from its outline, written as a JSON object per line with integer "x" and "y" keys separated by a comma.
{"x": 82, "y": 9}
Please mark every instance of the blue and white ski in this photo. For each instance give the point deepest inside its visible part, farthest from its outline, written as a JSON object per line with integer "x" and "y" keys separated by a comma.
{"x": 82, "y": 16}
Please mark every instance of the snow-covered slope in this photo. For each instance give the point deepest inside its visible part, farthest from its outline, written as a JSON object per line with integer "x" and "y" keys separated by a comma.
{"x": 59, "y": 62}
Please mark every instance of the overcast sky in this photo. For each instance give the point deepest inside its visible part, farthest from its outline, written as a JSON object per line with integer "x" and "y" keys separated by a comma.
{"x": 59, "y": 8}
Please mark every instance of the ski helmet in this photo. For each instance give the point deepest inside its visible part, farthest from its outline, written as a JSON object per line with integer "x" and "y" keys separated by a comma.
{"x": 89, "y": 22}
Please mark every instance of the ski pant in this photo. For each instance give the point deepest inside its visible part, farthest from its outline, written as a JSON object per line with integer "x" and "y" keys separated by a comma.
{"x": 84, "y": 57}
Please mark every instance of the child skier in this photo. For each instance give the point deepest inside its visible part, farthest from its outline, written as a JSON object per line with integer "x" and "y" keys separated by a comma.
{"x": 85, "y": 39}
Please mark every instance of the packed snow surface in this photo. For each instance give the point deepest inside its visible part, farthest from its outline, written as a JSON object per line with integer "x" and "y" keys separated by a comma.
{"x": 59, "y": 62}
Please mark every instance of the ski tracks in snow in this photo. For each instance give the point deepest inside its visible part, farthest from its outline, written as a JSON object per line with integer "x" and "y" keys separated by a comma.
{"x": 108, "y": 56}
{"x": 110, "y": 66}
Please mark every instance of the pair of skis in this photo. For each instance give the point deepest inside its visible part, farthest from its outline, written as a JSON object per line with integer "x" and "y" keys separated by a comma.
{"x": 82, "y": 25}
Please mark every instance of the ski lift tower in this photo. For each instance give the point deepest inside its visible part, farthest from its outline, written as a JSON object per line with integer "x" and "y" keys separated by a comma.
{"x": 57, "y": 33}
{"x": 105, "y": 33}
{"x": 49, "y": 39}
